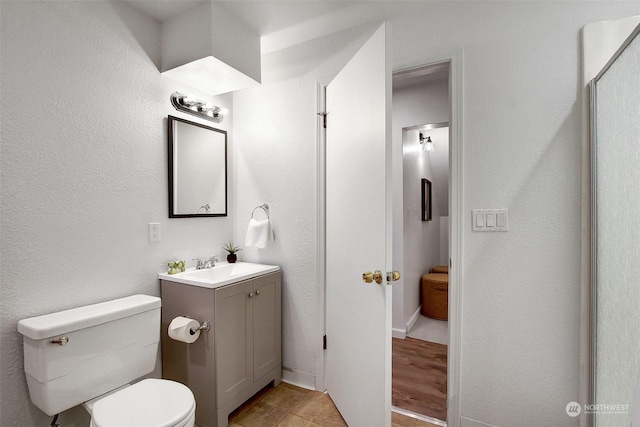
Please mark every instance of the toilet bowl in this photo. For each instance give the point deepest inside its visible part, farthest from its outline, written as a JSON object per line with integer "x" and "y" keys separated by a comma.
{"x": 148, "y": 403}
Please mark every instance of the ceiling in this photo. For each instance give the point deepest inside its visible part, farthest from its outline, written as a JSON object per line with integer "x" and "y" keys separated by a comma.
{"x": 262, "y": 16}
{"x": 284, "y": 23}
{"x": 162, "y": 10}
{"x": 267, "y": 17}
{"x": 288, "y": 22}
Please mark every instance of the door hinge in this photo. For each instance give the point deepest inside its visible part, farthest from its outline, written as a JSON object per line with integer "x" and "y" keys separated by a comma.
{"x": 324, "y": 118}
{"x": 324, "y": 342}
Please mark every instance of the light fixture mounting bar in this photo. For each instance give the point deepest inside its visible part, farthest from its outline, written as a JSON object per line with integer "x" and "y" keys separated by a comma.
{"x": 189, "y": 104}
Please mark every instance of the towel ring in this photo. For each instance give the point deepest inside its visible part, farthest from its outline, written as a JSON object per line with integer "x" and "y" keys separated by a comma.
{"x": 264, "y": 207}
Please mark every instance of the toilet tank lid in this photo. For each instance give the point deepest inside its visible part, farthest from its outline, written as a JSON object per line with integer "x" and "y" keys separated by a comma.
{"x": 54, "y": 324}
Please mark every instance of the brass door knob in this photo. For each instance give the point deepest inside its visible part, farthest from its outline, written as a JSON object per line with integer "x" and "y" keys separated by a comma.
{"x": 369, "y": 277}
{"x": 393, "y": 276}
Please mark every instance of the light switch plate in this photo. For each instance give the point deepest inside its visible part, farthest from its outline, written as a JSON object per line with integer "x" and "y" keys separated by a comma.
{"x": 154, "y": 231}
{"x": 490, "y": 219}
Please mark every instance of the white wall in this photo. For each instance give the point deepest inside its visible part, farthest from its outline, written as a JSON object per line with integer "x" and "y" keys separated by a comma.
{"x": 444, "y": 240}
{"x": 521, "y": 152}
{"x": 84, "y": 171}
{"x": 421, "y": 238}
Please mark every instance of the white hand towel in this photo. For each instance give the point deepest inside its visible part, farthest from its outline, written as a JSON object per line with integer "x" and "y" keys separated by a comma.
{"x": 259, "y": 233}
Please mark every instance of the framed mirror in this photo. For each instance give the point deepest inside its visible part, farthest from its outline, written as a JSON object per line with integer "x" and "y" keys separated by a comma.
{"x": 197, "y": 170}
{"x": 426, "y": 200}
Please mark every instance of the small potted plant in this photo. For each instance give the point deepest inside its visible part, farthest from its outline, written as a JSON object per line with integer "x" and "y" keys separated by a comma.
{"x": 229, "y": 247}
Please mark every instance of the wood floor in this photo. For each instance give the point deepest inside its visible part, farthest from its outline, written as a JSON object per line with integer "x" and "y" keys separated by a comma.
{"x": 419, "y": 381}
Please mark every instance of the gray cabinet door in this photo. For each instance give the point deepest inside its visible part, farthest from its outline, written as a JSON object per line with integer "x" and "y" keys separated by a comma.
{"x": 267, "y": 346}
{"x": 233, "y": 339}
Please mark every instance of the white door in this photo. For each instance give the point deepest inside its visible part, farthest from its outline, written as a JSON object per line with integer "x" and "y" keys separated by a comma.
{"x": 358, "y": 236}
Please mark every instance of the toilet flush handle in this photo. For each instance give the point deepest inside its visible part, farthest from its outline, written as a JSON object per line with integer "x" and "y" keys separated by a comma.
{"x": 63, "y": 340}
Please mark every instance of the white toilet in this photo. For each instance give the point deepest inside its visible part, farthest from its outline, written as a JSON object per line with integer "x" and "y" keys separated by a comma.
{"x": 89, "y": 355}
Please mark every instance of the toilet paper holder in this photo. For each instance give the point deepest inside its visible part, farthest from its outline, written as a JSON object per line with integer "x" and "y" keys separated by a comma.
{"x": 204, "y": 326}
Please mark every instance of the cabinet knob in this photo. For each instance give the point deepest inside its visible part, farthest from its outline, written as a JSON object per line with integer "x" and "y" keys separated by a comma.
{"x": 258, "y": 292}
{"x": 250, "y": 294}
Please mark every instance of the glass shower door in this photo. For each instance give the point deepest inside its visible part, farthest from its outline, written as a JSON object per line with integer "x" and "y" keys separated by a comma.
{"x": 616, "y": 236}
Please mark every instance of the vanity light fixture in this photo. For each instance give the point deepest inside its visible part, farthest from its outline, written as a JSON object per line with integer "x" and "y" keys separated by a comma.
{"x": 190, "y": 105}
{"x": 426, "y": 143}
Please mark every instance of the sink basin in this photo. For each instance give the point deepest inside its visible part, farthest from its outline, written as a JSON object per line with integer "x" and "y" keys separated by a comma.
{"x": 222, "y": 274}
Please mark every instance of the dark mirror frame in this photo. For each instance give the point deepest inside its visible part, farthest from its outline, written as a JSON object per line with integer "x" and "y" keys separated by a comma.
{"x": 426, "y": 199}
{"x": 171, "y": 120}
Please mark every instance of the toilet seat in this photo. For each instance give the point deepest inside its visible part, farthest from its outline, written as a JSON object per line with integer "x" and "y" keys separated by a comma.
{"x": 148, "y": 403}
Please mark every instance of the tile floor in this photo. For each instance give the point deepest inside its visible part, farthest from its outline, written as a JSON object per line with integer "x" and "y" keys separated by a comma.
{"x": 291, "y": 406}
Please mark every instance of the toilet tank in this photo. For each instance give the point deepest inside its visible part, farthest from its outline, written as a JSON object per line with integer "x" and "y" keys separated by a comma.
{"x": 107, "y": 345}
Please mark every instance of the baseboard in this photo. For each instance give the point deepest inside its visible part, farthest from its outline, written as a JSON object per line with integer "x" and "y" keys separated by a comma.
{"x": 399, "y": 333}
{"x": 402, "y": 333}
{"x": 300, "y": 379}
{"x": 413, "y": 319}
{"x": 468, "y": 422}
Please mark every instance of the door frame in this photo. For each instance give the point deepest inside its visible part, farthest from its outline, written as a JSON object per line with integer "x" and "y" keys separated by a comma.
{"x": 456, "y": 213}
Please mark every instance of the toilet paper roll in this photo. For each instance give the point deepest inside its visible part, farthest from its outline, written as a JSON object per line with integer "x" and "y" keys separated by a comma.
{"x": 180, "y": 329}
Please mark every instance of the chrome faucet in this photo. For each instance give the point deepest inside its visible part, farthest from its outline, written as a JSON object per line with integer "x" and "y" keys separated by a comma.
{"x": 201, "y": 265}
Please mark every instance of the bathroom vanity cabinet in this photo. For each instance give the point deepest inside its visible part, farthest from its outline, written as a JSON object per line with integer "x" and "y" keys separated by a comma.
{"x": 238, "y": 356}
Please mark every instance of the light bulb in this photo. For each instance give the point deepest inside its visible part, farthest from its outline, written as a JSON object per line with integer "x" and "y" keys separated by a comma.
{"x": 428, "y": 145}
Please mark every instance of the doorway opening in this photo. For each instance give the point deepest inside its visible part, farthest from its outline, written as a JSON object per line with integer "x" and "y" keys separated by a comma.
{"x": 421, "y": 117}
